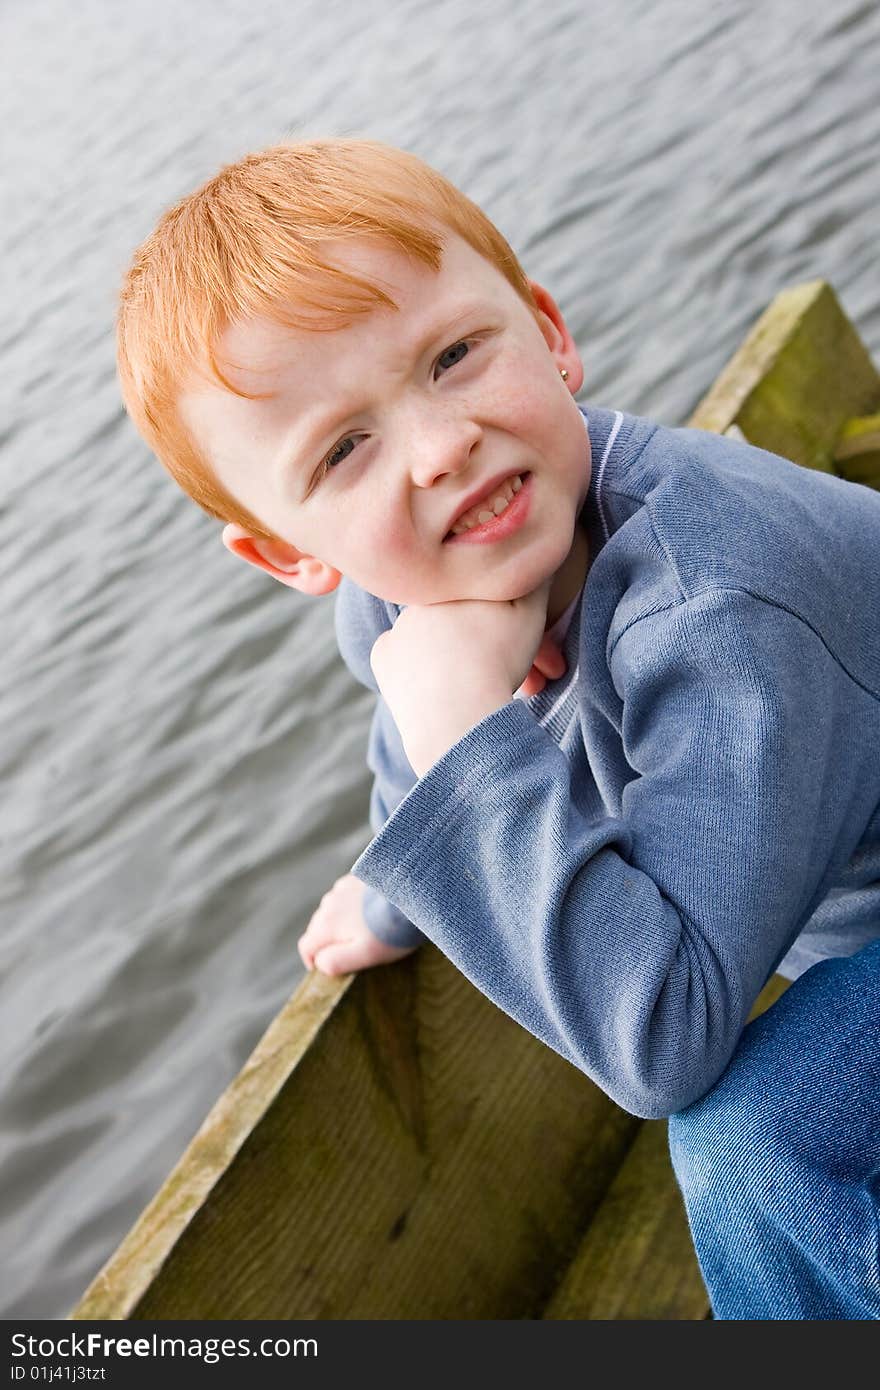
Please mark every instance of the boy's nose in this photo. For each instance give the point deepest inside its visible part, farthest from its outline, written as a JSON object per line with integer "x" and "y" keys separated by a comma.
{"x": 443, "y": 446}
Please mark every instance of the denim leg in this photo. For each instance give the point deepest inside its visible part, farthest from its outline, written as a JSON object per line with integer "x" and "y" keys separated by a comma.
{"x": 779, "y": 1163}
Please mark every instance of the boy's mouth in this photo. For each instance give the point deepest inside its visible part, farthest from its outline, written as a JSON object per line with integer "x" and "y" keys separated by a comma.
{"x": 498, "y": 515}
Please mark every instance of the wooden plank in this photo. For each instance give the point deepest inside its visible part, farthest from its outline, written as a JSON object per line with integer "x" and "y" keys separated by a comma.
{"x": 802, "y": 372}
{"x": 857, "y": 454}
{"x": 636, "y": 1260}
{"x": 409, "y": 1152}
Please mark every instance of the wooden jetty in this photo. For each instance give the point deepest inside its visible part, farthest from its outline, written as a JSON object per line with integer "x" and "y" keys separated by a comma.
{"x": 396, "y": 1147}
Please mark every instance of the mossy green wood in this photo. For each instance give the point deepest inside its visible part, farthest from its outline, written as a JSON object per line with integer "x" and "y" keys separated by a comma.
{"x": 801, "y": 374}
{"x": 857, "y": 455}
{"x": 397, "y": 1147}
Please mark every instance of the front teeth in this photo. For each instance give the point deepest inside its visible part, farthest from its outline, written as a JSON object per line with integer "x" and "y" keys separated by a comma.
{"x": 497, "y": 505}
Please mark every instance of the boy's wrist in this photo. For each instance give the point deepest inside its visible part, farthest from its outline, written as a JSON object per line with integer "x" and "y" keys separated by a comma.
{"x": 460, "y": 711}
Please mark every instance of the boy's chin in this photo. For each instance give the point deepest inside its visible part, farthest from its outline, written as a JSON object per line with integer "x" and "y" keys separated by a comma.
{"x": 488, "y": 591}
{"x": 487, "y": 594}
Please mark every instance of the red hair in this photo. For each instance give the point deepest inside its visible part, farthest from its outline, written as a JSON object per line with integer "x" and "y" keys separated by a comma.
{"x": 249, "y": 242}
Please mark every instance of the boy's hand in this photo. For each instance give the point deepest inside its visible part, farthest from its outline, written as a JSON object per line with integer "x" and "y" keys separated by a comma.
{"x": 444, "y": 667}
{"x": 549, "y": 663}
{"x": 338, "y": 940}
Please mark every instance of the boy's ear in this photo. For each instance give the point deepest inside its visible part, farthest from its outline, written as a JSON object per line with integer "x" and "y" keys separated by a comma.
{"x": 283, "y": 561}
{"x": 560, "y": 342}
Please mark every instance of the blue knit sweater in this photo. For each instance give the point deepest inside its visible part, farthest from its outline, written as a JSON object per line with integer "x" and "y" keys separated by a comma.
{"x": 621, "y": 861}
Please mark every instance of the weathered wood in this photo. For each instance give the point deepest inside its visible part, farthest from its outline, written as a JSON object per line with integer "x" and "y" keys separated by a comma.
{"x": 396, "y": 1147}
{"x": 802, "y": 372}
{"x": 857, "y": 454}
{"x": 409, "y": 1152}
{"x": 636, "y": 1259}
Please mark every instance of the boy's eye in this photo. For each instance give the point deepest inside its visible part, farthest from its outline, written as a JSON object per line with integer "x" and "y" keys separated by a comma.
{"x": 339, "y": 452}
{"x": 337, "y": 455}
{"x": 453, "y": 354}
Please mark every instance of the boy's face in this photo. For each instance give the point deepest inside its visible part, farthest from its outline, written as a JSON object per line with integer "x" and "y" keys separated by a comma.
{"x": 406, "y": 414}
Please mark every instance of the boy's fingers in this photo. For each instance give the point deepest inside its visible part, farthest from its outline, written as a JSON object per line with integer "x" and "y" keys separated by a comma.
{"x": 549, "y": 658}
{"x": 318, "y": 933}
{"x": 306, "y": 953}
{"x": 533, "y": 682}
{"x": 339, "y": 959}
{"x": 343, "y": 957}
{"x": 548, "y": 661}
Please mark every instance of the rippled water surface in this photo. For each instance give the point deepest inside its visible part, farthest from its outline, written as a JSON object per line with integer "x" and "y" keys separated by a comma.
{"x": 182, "y": 748}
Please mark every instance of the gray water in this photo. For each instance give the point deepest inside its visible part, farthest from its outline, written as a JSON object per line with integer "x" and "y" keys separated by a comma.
{"x": 182, "y": 748}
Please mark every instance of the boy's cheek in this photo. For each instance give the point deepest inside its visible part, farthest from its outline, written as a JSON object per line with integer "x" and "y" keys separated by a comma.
{"x": 521, "y": 400}
{"x": 378, "y": 572}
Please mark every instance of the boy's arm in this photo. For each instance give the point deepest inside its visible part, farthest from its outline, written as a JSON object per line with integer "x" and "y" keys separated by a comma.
{"x": 634, "y": 944}
{"x": 359, "y": 618}
{"x": 393, "y": 777}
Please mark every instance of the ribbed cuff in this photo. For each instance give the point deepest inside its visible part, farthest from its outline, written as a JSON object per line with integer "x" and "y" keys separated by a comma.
{"x": 445, "y": 790}
{"x": 387, "y": 922}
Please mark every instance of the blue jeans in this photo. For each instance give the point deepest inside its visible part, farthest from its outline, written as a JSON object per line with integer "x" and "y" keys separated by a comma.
{"x": 779, "y": 1164}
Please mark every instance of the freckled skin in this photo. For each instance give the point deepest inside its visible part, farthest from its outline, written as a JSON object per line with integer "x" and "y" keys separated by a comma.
{"x": 422, "y": 435}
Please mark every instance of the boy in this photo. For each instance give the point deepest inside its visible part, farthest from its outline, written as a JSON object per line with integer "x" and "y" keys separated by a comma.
{"x": 337, "y": 354}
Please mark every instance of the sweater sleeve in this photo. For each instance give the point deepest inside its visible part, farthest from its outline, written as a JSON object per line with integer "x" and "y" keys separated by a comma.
{"x": 359, "y": 618}
{"x": 634, "y": 944}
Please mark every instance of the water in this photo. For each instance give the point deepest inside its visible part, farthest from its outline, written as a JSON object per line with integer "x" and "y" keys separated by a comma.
{"x": 183, "y": 750}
